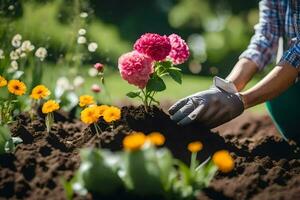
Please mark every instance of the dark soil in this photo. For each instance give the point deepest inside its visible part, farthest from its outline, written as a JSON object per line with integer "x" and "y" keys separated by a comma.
{"x": 267, "y": 167}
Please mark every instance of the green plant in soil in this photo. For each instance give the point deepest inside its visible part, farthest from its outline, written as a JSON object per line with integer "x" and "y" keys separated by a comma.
{"x": 7, "y": 142}
{"x": 141, "y": 170}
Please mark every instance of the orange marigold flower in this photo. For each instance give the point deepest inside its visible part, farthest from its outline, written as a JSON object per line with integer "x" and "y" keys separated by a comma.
{"x": 40, "y": 92}
{"x": 112, "y": 114}
{"x": 195, "y": 146}
{"x": 223, "y": 160}
{"x": 86, "y": 100}
{"x": 101, "y": 109}
{"x": 89, "y": 115}
{"x": 156, "y": 138}
{"x": 16, "y": 87}
{"x": 50, "y": 106}
{"x": 3, "y": 81}
{"x": 134, "y": 141}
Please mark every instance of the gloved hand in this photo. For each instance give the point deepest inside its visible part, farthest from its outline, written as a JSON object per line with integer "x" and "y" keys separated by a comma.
{"x": 211, "y": 107}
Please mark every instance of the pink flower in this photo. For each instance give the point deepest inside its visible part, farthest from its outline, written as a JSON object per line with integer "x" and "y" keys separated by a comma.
{"x": 96, "y": 88}
{"x": 153, "y": 45}
{"x": 136, "y": 68}
{"x": 99, "y": 67}
{"x": 180, "y": 51}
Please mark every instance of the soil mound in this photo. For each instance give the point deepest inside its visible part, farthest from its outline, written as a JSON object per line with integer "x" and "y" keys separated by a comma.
{"x": 267, "y": 167}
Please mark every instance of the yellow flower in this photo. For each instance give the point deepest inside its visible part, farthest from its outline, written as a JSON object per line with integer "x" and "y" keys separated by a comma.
{"x": 50, "y": 106}
{"x": 156, "y": 138}
{"x": 101, "y": 109}
{"x": 112, "y": 114}
{"x": 195, "y": 146}
{"x": 86, "y": 100}
{"x": 134, "y": 141}
{"x": 40, "y": 92}
{"x": 223, "y": 160}
{"x": 3, "y": 81}
{"x": 89, "y": 115}
{"x": 16, "y": 87}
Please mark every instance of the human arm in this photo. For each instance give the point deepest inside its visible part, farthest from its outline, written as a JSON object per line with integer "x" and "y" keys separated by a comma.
{"x": 277, "y": 81}
{"x": 242, "y": 73}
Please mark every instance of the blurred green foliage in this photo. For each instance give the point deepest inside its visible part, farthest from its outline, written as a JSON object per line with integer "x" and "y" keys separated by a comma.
{"x": 216, "y": 30}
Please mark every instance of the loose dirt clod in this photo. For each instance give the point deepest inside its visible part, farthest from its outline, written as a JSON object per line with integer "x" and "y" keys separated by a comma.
{"x": 267, "y": 167}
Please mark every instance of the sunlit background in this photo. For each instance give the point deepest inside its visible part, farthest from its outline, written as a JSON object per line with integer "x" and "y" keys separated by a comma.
{"x": 79, "y": 33}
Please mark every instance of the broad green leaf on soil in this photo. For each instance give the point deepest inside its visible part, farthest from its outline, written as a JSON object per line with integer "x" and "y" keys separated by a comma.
{"x": 10, "y": 145}
{"x": 175, "y": 75}
{"x": 165, "y": 163}
{"x": 98, "y": 172}
{"x": 143, "y": 171}
{"x": 156, "y": 84}
{"x": 133, "y": 94}
{"x": 4, "y": 138}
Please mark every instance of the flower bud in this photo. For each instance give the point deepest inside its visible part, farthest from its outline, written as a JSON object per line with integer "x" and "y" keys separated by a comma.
{"x": 96, "y": 88}
{"x": 99, "y": 67}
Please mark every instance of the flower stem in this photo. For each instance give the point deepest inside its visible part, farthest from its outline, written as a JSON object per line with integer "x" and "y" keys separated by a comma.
{"x": 145, "y": 101}
{"x": 193, "y": 161}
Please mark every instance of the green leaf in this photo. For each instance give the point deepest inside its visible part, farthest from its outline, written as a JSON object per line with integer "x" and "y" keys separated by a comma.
{"x": 156, "y": 84}
{"x": 166, "y": 64}
{"x": 133, "y": 94}
{"x": 144, "y": 172}
{"x": 175, "y": 75}
{"x": 5, "y": 140}
{"x": 97, "y": 169}
{"x": 68, "y": 188}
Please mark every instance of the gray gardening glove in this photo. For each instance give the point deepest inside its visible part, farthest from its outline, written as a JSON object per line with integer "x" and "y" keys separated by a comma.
{"x": 211, "y": 107}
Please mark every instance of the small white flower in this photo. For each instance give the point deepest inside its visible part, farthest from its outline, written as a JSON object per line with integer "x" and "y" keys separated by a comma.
{"x": 41, "y": 53}
{"x": 16, "y": 41}
{"x": 27, "y": 46}
{"x": 23, "y": 55}
{"x": 92, "y": 47}
{"x": 18, "y": 51}
{"x": 2, "y": 54}
{"x": 14, "y": 55}
{"x": 84, "y": 15}
{"x": 62, "y": 85}
{"x": 81, "y": 40}
{"x": 93, "y": 72}
{"x": 82, "y": 31}
{"x": 14, "y": 65}
{"x": 78, "y": 81}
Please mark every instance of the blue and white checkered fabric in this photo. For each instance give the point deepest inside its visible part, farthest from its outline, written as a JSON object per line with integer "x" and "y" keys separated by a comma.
{"x": 278, "y": 18}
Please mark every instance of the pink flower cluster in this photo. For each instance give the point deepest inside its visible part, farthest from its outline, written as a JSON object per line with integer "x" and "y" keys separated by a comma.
{"x": 153, "y": 45}
{"x": 180, "y": 51}
{"x": 137, "y": 66}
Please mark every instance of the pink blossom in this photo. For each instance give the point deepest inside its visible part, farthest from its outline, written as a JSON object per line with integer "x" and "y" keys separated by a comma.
{"x": 180, "y": 51}
{"x": 99, "y": 66}
{"x": 153, "y": 45}
{"x": 96, "y": 88}
{"x": 136, "y": 68}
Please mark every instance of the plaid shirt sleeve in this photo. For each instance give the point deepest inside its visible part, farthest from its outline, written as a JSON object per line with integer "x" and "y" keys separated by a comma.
{"x": 292, "y": 56}
{"x": 264, "y": 43}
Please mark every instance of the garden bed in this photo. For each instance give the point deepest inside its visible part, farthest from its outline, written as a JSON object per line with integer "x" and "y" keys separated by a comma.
{"x": 267, "y": 167}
